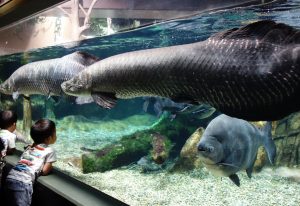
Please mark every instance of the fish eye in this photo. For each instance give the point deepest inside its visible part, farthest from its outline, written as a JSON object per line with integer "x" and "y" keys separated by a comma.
{"x": 210, "y": 149}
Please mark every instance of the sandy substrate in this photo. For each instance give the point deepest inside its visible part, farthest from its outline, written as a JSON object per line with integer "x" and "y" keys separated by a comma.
{"x": 197, "y": 187}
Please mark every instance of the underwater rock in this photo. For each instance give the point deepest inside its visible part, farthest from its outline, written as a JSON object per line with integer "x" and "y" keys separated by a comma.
{"x": 161, "y": 148}
{"x": 286, "y": 135}
{"x": 261, "y": 160}
{"x": 148, "y": 165}
{"x": 287, "y": 140}
{"x": 188, "y": 159}
{"x": 74, "y": 162}
{"x": 294, "y": 122}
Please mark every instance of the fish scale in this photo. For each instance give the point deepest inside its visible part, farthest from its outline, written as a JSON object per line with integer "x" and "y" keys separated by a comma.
{"x": 243, "y": 73}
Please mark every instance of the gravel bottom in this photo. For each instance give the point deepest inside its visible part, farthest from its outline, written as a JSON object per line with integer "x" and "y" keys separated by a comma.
{"x": 197, "y": 187}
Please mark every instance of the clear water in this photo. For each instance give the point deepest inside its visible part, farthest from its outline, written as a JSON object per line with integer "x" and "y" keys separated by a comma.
{"x": 92, "y": 127}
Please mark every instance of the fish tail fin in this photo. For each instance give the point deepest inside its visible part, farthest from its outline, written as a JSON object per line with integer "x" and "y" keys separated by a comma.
{"x": 268, "y": 142}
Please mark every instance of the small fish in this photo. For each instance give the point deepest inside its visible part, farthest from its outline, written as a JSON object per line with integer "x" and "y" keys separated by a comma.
{"x": 252, "y": 73}
{"x": 164, "y": 104}
{"x": 229, "y": 145}
{"x": 45, "y": 77}
{"x": 160, "y": 105}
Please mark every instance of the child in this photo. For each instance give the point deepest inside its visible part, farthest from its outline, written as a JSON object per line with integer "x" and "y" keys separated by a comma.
{"x": 8, "y": 124}
{"x": 2, "y": 161}
{"x": 36, "y": 160}
{"x": 8, "y": 134}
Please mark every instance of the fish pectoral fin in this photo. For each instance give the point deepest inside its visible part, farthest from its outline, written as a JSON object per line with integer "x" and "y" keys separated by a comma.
{"x": 235, "y": 179}
{"x": 105, "y": 99}
{"x": 15, "y": 95}
{"x": 250, "y": 168}
{"x": 84, "y": 100}
{"x": 249, "y": 171}
{"x": 146, "y": 105}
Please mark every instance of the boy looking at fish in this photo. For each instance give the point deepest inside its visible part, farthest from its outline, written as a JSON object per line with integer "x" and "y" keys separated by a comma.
{"x": 8, "y": 133}
{"x": 36, "y": 160}
{"x": 8, "y": 136}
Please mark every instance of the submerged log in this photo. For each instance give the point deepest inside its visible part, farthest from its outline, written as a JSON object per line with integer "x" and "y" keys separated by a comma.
{"x": 170, "y": 136}
{"x": 126, "y": 151}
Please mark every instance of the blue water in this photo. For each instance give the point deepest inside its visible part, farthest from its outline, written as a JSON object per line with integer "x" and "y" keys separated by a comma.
{"x": 182, "y": 31}
{"x": 75, "y": 132}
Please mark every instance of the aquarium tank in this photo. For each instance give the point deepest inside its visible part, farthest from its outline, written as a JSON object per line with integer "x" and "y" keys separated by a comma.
{"x": 153, "y": 149}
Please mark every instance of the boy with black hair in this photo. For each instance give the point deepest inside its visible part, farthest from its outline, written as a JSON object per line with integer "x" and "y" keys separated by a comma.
{"x": 36, "y": 160}
{"x": 8, "y": 133}
{"x": 8, "y": 137}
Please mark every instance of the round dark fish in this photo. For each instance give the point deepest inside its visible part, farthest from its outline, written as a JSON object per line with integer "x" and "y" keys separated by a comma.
{"x": 229, "y": 145}
{"x": 251, "y": 73}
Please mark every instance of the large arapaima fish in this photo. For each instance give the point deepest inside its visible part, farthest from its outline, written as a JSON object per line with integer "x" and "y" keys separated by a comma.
{"x": 45, "y": 77}
{"x": 252, "y": 73}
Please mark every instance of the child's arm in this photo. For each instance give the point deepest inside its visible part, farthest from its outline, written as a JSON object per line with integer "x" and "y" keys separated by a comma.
{"x": 21, "y": 138}
{"x": 46, "y": 168}
{"x": 51, "y": 158}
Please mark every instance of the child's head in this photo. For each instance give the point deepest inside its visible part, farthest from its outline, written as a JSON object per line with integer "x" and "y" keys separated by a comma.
{"x": 43, "y": 131}
{"x": 8, "y": 120}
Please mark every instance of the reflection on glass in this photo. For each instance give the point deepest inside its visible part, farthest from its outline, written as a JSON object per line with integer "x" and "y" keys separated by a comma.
{"x": 144, "y": 151}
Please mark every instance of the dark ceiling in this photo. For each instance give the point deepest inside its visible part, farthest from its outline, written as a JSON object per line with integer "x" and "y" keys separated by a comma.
{"x": 16, "y": 10}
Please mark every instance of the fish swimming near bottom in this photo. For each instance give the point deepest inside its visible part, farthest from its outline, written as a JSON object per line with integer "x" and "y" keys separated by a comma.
{"x": 161, "y": 104}
{"x": 229, "y": 145}
{"x": 45, "y": 77}
{"x": 252, "y": 73}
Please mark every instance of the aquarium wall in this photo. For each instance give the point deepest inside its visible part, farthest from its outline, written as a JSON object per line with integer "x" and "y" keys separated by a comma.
{"x": 145, "y": 150}
{"x": 79, "y": 20}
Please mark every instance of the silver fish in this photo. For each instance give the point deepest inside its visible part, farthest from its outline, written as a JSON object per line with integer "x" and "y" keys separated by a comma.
{"x": 229, "y": 145}
{"x": 45, "y": 77}
{"x": 251, "y": 73}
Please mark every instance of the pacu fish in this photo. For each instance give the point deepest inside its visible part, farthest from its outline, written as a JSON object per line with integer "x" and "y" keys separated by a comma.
{"x": 45, "y": 77}
{"x": 251, "y": 73}
{"x": 229, "y": 145}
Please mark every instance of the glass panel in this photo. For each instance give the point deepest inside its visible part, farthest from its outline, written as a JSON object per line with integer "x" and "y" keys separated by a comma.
{"x": 145, "y": 150}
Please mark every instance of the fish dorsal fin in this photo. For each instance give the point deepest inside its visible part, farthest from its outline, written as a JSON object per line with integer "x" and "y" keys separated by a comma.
{"x": 83, "y": 58}
{"x": 223, "y": 34}
{"x": 264, "y": 31}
